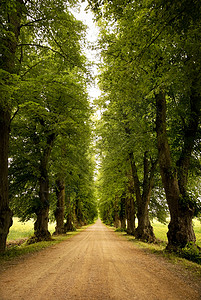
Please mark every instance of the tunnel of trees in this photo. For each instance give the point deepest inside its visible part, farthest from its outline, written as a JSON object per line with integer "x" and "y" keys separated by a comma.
{"x": 147, "y": 139}
{"x": 149, "y": 133}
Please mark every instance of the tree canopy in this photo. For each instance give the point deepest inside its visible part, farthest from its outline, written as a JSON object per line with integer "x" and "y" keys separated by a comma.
{"x": 148, "y": 136}
{"x": 45, "y": 113}
{"x": 150, "y": 74}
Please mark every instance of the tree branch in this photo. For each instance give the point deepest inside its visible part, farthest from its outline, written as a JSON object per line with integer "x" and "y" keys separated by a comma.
{"x": 44, "y": 47}
{"x": 15, "y": 113}
{"x": 32, "y": 22}
{"x": 30, "y": 68}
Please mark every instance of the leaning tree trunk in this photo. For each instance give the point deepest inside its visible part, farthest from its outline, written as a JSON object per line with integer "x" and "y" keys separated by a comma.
{"x": 59, "y": 213}
{"x": 180, "y": 228}
{"x": 9, "y": 41}
{"x": 144, "y": 230}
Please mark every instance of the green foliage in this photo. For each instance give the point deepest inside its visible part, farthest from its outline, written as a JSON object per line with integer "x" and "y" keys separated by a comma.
{"x": 146, "y": 47}
{"x": 191, "y": 252}
{"x": 120, "y": 230}
{"x": 21, "y": 230}
{"x": 50, "y": 106}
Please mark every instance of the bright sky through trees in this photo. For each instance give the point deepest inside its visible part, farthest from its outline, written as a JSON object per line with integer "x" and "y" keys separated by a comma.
{"x": 86, "y": 16}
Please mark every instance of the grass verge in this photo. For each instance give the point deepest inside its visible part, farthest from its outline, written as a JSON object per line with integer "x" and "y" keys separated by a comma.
{"x": 23, "y": 249}
{"x": 159, "y": 250}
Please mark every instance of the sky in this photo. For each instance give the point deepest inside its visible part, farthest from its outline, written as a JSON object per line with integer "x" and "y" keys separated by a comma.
{"x": 92, "y": 34}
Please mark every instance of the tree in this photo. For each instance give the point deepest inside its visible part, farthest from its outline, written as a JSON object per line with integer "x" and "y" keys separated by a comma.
{"x": 60, "y": 207}
{"x": 10, "y": 24}
{"x": 121, "y": 142}
{"x": 29, "y": 29}
{"x": 158, "y": 45}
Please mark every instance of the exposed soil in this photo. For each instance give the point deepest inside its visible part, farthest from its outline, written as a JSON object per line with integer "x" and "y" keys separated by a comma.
{"x": 95, "y": 264}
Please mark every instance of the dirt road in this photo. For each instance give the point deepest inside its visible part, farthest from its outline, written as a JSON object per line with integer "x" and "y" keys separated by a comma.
{"x": 95, "y": 264}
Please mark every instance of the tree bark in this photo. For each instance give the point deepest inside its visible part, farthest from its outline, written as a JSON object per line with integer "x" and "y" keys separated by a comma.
{"x": 7, "y": 63}
{"x": 41, "y": 225}
{"x": 130, "y": 206}
{"x": 122, "y": 213}
{"x": 190, "y": 132}
{"x": 68, "y": 226}
{"x": 144, "y": 230}
{"x": 180, "y": 228}
{"x": 79, "y": 216}
{"x": 59, "y": 213}
{"x": 116, "y": 213}
{"x": 130, "y": 214}
{"x": 5, "y": 212}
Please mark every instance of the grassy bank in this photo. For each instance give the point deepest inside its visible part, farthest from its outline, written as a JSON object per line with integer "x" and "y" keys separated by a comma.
{"x": 160, "y": 230}
{"x": 21, "y": 230}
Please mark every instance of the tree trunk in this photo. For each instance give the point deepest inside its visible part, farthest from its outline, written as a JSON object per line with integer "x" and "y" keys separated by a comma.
{"x": 117, "y": 222}
{"x": 190, "y": 132}
{"x": 7, "y": 63}
{"x": 122, "y": 213}
{"x": 59, "y": 213}
{"x": 5, "y": 212}
{"x": 41, "y": 225}
{"x": 130, "y": 214}
{"x": 123, "y": 223}
{"x": 180, "y": 227}
{"x": 116, "y": 213}
{"x": 130, "y": 206}
{"x": 144, "y": 230}
{"x": 68, "y": 226}
{"x": 79, "y": 217}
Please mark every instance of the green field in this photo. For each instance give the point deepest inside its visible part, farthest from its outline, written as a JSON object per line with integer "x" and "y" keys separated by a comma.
{"x": 160, "y": 230}
{"x": 22, "y": 230}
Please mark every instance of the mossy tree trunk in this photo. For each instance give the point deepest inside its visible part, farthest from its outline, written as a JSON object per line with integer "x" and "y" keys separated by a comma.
{"x": 9, "y": 42}
{"x": 175, "y": 179}
{"x": 5, "y": 212}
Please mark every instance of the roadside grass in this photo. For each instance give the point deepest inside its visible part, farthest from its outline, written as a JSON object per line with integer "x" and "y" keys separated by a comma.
{"x": 160, "y": 230}
{"x": 17, "y": 251}
{"x": 159, "y": 250}
{"x": 20, "y": 231}
{"x": 190, "y": 262}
